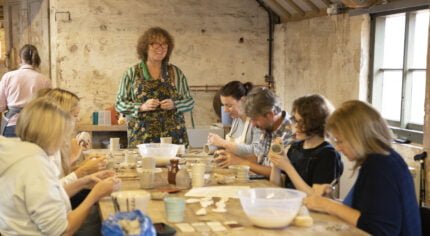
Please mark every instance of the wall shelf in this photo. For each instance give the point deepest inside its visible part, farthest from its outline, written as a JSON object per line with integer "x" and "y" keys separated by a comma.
{"x": 100, "y": 134}
{"x": 107, "y": 128}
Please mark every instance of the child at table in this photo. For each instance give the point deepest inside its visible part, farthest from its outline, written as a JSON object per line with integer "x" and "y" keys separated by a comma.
{"x": 310, "y": 160}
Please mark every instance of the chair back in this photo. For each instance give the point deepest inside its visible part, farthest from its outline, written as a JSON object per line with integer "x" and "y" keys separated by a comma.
{"x": 425, "y": 220}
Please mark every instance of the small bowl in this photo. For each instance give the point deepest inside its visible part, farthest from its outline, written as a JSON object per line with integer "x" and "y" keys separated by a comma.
{"x": 271, "y": 207}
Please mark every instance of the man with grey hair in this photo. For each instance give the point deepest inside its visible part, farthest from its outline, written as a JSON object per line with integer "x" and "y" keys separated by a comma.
{"x": 263, "y": 108}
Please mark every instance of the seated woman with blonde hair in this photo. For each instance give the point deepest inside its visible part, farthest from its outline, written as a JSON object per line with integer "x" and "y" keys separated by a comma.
{"x": 76, "y": 180}
{"x": 71, "y": 151}
{"x": 382, "y": 200}
{"x": 34, "y": 201}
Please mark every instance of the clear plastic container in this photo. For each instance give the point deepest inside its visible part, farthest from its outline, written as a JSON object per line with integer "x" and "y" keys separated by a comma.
{"x": 271, "y": 207}
{"x": 162, "y": 152}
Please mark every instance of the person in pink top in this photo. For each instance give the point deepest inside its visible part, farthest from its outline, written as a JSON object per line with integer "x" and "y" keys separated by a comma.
{"x": 19, "y": 86}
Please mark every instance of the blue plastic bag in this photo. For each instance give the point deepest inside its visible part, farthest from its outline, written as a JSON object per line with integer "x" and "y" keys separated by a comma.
{"x": 112, "y": 227}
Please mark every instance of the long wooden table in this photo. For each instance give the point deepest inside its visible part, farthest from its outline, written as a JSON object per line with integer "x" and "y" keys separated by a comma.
{"x": 323, "y": 224}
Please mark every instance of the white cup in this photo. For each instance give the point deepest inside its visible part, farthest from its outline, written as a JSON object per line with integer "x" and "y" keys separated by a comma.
{"x": 197, "y": 181}
{"x": 175, "y": 209}
{"x": 241, "y": 172}
{"x": 210, "y": 149}
{"x": 148, "y": 163}
{"x": 166, "y": 140}
{"x": 277, "y": 148}
{"x": 146, "y": 178}
{"x": 181, "y": 149}
{"x": 198, "y": 175}
{"x": 114, "y": 144}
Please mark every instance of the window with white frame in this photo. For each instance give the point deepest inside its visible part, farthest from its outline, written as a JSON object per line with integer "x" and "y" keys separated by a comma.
{"x": 400, "y": 43}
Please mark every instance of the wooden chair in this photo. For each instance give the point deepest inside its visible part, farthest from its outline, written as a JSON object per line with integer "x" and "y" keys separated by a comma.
{"x": 425, "y": 220}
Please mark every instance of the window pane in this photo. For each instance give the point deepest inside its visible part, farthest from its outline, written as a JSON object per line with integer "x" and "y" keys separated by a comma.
{"x": 420, "y": 37}
{"x": 418, "y": 97}
{"x": 391, "y": 95}
{"x": 394, "y": 41}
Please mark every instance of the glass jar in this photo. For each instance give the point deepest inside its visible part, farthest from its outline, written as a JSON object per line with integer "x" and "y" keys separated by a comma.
{"x": 117, "y": 159}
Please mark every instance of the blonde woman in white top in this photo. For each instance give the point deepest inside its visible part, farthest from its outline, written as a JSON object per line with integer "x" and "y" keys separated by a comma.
{"x": 243, "y": 137}
{"x": 33, "y": 201}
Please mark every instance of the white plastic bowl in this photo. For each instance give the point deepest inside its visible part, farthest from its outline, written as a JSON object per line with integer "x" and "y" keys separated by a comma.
{"x": 161, "y": 152}
{"x": 271, "y": 207}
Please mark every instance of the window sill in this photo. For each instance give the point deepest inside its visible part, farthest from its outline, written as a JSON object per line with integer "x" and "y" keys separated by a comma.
{"x": 414, "y": 136}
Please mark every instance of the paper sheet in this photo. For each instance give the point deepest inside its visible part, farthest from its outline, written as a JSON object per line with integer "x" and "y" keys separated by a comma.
{"x": 216, "y": 191}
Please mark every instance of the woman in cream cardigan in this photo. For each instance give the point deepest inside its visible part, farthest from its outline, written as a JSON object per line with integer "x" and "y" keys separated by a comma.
{"x": 243, "y": 137}
{"x": 34, "y": 201}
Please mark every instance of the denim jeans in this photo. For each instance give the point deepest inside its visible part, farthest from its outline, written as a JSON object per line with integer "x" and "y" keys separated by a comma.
{"x": 9, "y": 131}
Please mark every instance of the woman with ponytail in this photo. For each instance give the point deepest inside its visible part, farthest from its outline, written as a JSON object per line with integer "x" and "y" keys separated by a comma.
{"x": 243, "y": 137}
{"x": 19, "y": 86}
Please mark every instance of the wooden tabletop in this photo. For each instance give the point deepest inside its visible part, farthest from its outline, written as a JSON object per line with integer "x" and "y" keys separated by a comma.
{"x": 323, "y": 224}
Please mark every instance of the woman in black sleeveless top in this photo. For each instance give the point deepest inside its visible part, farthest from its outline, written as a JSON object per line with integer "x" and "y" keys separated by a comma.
{"x": 311, "y": 159}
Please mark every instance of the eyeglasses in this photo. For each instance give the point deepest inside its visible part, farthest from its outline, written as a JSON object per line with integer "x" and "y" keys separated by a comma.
{"x": 159, "y": 45}
{"x": 295, "y": 121}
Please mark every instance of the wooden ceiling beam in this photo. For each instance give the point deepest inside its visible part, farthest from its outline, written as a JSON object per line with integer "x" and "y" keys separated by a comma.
{"x": 278, "y": 9}
{"x": 295, "y": 7}
{"x": 307, "y": 16}
{"x": 312, "y": 5}
{"x": 326, "y": 2}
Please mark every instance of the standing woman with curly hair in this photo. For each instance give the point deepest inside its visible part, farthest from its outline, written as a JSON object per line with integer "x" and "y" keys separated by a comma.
{"x": 19, "y": 86}
{"x": 154, "y": 94}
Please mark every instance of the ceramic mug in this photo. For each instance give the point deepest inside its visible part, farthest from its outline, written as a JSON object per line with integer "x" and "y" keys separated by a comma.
{"x": 166, "y": 140}
{"x": 210, "y": 149}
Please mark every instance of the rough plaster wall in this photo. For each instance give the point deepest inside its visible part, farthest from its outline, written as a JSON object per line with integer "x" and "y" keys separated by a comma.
{"x": 328, "y": 55}
{"x": 319, "y": 55}
{"x": 3, "y": 50}
{"x": 426, "y": 141}
{"x": 97, "y": 45}
{"x": 2, "y": 41}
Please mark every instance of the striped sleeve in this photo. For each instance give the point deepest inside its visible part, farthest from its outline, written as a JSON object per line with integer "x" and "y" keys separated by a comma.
{"x": 186, "y": 104}
{"x": 125, "y": 99}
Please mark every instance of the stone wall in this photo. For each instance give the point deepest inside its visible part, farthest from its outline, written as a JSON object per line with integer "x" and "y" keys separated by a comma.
{"x": 3, "y": 49}
{"x": 321, "y": 55}
{"x": 216, "y": 42}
